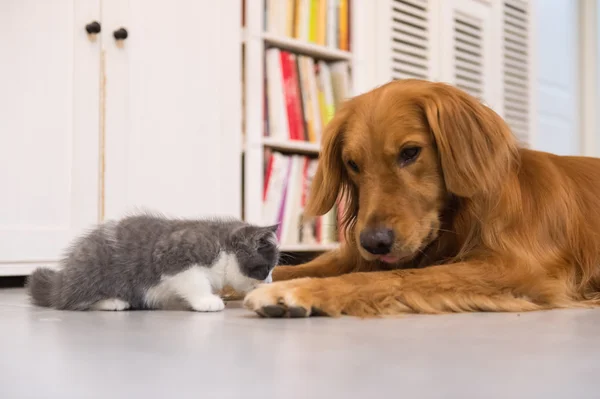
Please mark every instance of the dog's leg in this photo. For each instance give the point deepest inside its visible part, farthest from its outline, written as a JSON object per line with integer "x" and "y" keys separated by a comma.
{"x": 460, "y": 287}
{"x": 330, "y": 264}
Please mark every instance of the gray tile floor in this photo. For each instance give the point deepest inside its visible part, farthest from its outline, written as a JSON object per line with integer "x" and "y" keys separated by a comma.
{"x": 233, "y": 354}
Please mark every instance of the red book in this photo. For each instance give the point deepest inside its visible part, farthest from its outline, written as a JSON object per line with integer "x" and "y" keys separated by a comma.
{"x": 267, "y": 176}
{"x": 297, "y": 98}
{"x": 292, "y": 96}
{"x": 305, "y": 186}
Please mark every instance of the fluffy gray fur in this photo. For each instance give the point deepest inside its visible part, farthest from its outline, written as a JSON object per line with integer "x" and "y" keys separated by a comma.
{"x": 124, "y": 259}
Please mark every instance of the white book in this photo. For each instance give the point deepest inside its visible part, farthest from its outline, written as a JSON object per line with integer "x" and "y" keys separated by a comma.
{"x": 340, "y": 77}
{"x": 278, "y": 119}
{"x": 331, "y": 37}
{"x": 314, "y": 97}
{"x": 305, "y": 96}
{"x": 309, "y": 234}
{"x": 275, "y": 189}
{"x": 271, "y": 15}
{"x": 282, "y": 17}
{"x": 303, "y": 19}
{"x": 290, "y": 231}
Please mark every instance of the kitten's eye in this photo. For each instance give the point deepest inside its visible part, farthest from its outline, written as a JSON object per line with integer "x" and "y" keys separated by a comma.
{"x": 352, "y": 165}
{"x": 265, "y": 245}
{"x": 408, "y": 155}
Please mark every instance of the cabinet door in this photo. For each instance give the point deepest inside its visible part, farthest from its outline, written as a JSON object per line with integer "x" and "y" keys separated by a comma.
{"x": 558, "y": 77}
{"x": 470, "y": 56}
{"x": 49, "y": 118}
{"x": 173, "y": 109}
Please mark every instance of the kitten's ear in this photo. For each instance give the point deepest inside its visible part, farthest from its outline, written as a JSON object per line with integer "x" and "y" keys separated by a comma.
{"x": 271, "y": 229}
{"x": 261, "y": 235}
{"x": 267, "y": 235}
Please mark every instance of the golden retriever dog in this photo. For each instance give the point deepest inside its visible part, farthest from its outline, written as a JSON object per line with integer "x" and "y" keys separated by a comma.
{"x": 444, "y": 213}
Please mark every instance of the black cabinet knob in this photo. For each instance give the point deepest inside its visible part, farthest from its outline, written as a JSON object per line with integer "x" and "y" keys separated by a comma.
{"x": 93, "y": 28}
{"x": 120, "y": 34}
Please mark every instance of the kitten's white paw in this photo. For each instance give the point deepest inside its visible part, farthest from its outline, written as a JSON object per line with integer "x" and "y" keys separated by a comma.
{"x": 208, "y": 303}
{"x": 111, "y": 304}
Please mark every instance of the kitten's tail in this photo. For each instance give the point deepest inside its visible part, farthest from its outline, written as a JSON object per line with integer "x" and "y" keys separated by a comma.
{"x": 40, "y": 285}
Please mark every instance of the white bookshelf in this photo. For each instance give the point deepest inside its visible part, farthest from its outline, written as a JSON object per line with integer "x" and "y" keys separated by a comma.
{"x": 292, "y": 146}
{"x": 256, "y": 40}
{"x": 302, "y": 47}
{"x": 308, "y": 247}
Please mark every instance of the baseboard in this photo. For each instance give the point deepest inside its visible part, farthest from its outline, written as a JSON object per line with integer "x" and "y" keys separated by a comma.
{"x": 23, "y": 268}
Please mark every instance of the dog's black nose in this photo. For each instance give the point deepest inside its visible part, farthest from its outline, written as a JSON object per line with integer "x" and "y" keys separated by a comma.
{"x": 377, "y": 241}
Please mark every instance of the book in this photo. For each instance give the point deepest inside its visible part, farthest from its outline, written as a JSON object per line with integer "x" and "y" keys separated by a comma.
{"x": 313, "y": 93}
{"x": 308, "y": 231}
{"x": 312, "y": 25}
{"x": 288, "y": 181}
{"x": 302, "y": 95}
{"x": 290, "y": 10}
{"x": 323, "y": 22}
{"x": 301, "y": 20}
{"x": 275, "y": 184}
{"x": 332, "y": 23}
{"x": 267, "y": 173}
{"x": 328, "y": 103}
{"x": 290, "y": 220}
{"x": 343, "y": 29}
{"x": 340, "y": 82}
{"x": 277, "y": 115}
{"x": 293, "y": 97}
{"x": 307, "y": 108}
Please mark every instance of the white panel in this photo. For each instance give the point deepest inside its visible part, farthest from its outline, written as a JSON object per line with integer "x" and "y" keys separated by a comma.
{"x": 173, "y": 117}
{"x": 469, "y": 54}
{"x": 557, "y": 83}
{"x": 596, "y": 131}
{"x": 49, "y": 111}
{"x": 466, "y": 49}
{"x": 517, "y": 68}
{"x": 411, "y": 37}
{"x": 589, "y": 77}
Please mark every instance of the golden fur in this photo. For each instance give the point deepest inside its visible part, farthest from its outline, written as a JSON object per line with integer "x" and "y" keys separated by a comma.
{"x": 480, "y": 224}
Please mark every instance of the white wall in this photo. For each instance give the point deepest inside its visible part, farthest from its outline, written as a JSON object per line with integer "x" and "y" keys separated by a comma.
{"x": 557, "y": 71}
{"x": 597, "y": 141}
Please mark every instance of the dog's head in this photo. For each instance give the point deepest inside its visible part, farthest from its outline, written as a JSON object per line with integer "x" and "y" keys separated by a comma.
{"x": 398, "y": 153}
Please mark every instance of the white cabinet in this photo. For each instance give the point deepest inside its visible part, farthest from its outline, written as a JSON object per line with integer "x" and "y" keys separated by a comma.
{"x": 93, "y": 128}
{"x": 49, "y": 113}
{"x": 172, "y": 127}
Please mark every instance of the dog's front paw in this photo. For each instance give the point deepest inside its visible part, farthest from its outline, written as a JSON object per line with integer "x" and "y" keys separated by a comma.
{"x": 295, "y": 298}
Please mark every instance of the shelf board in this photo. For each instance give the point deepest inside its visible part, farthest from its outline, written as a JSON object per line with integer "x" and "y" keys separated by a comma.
{"x": 306, "y": 48}
{"x": 309, "y": 247}
{"x": 295, "y": 146}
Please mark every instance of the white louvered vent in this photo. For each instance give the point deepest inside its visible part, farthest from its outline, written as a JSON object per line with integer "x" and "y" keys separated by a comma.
{"x": 410, "y": 39}
{"x": 516, "y": 67}
{"x": 468, "y": 53}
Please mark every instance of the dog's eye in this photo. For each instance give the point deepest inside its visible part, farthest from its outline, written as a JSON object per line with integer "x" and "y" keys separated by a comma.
{"x": 409, "y": 155}
{"x": 352, "y": 165}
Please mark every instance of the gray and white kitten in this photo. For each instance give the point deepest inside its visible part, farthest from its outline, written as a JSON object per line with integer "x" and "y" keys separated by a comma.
{"x": 151, "y": 262}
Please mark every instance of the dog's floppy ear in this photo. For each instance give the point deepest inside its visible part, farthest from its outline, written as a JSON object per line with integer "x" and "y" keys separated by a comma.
{"x": 475, "y": 146}
{"x": 330, "y": 174}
